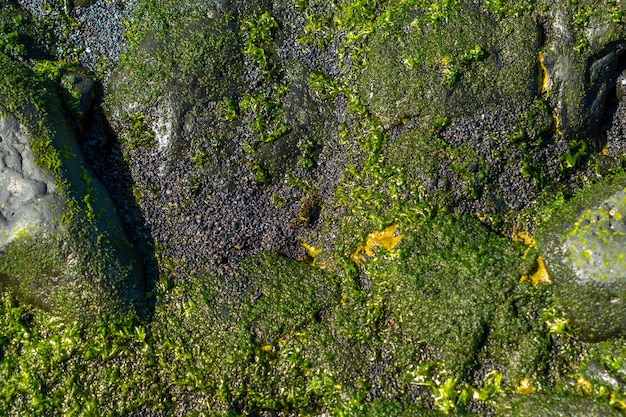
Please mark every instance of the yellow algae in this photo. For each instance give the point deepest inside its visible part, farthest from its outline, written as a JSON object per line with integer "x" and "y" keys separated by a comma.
{"x": 387, "y": 238}
{"x": 544, "y": 80}
{"x": 557, "y": 123}
{"x": 312, "y": 250}
{"x": 617, "y": 402}
{"x": 525, "y": 238}
{"x": 605, "y": 149}
{"x": 540, "y": 275}
{"x": 584, "y": 385}
{"x": 526, "y": 387}
{"x": 314, "y": 253}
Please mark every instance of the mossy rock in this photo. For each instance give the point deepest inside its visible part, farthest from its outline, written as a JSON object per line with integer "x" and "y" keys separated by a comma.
{"x": 581, "y": 60}
{"x": 583, "y": 246}
{"x": 423, "y": 64}
{"x": 185, "y": 60}
{"x": 63, "y": 245}
{"x": 444, "y": 286}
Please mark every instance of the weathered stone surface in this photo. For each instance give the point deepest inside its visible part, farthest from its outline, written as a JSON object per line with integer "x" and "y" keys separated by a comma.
{"x": 583, "y": 246}
{"x": 28, "y": 196}
{"x": 581, "y": 57}
{"x": 63, "y": 246}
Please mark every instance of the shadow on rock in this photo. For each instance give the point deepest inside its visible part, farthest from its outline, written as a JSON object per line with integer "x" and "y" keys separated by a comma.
{"x": 104, "y": 154}
{"x": 63, "y": 246}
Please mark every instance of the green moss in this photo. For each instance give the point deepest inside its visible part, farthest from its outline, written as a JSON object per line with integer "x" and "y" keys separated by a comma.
{"x": 255, "y": 346}
{"x": 68, "y": 274}
{"x": 469, "y": 273}
{"x": 417, "y": 68}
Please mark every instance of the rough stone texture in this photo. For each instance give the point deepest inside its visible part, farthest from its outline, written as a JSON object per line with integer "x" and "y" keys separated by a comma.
{"x": 584, "y": 253}
{"x": 63, "y": 246}
{"x": 443, "y": 70}
{"x": 28, "y": 195}
{"x": 558, "y": 406}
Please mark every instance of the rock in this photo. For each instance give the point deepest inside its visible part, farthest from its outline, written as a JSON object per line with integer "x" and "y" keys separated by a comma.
{"x": 558, "y": 406}
{"x": 581, "y": 66}
{"x": 27, "y": 193}
{"x": 596, "y": 373}
{"x": 62, "y": 244}
{"x": 583, "y": 247}
{"x": 454, "y": 66}
{"x": 152, "y": 106}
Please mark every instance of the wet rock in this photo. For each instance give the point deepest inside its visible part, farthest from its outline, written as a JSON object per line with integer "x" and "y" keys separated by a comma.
{"x": 581, "y": 59}
{"x": 62, "y": 245}
{"x": 595, "y": 372}
{"x": 558, "y": 406}
{"x": 27, "y": 196}
{"x": 583, "y": 247}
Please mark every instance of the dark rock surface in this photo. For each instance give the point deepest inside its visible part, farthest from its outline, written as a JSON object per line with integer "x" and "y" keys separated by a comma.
{"x": 582, "y": 59}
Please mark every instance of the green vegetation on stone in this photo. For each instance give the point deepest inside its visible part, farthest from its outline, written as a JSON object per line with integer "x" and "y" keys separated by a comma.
{"x": 439, "y": 325}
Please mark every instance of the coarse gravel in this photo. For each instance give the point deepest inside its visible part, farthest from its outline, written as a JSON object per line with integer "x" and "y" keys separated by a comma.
{"x": 96, "y": 30}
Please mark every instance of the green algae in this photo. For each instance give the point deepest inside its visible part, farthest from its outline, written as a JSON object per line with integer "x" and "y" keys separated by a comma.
{"x": 419, "y": 67}
{"x": 388, "y": 337}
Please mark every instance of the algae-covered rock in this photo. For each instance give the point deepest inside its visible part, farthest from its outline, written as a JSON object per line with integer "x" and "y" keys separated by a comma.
{"x": 168, "y": 88}
{"x": 583, "y": 246}
{"x": 63, "y": 245}
{"x": 445, "y": 285}
{"x": 557, "y": 406}
{"x": 451, "y": 62}
{"x": 580, "y": 59}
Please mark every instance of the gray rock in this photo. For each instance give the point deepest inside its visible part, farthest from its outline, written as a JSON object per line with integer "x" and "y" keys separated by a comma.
{"x": 62, "y": 245}
{"x": 596, "y": 373}
{"x": 584, "y": 249}
{"x": 28, "y": 196}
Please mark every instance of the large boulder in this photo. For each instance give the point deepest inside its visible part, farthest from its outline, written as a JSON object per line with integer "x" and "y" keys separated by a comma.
{"x": 62, "y": 244}
{"x": 583, "y": 247}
